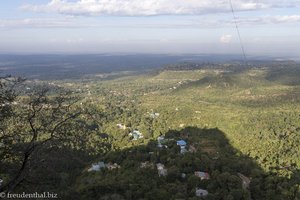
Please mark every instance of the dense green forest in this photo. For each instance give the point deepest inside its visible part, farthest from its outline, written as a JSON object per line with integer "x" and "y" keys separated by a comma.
{"x": 116, "y": 136}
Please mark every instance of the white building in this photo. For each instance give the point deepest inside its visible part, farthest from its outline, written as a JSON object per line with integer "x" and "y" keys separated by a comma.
{"x": 161, "y": 169}
{"x": 201, "y": 192}
{"x": 97, "y": 166}
{"x": 121, "y": 126}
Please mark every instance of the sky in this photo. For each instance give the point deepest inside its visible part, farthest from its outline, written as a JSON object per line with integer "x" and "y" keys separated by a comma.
{"x": 267, "y": 27}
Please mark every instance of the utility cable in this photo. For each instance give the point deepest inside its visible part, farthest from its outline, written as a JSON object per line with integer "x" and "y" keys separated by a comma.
{"x": 238, "y": 32}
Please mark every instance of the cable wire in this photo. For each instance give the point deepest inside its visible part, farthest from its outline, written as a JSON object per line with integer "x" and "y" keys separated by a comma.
{"x": 238, "y": 32}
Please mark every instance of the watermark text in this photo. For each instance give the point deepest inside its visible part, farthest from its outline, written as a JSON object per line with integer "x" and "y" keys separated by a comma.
{"x": 24, "y": 195}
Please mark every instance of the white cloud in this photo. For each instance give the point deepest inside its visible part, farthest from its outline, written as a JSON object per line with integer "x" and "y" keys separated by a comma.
{"x": 74, "y": 41}
{"x": 286, "y": 18}
{"x": 204, "y": 22}
{"x": 147, "y": 7}
{"x": 225, "y": 39}
{"x": 38, "y": 23}
{"x": 277, "y": 19}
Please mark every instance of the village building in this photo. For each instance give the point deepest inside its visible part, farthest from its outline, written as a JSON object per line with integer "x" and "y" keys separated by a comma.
{"x": 111, "y": 166}
{"x": 160, "y": 140}
{"x": 146, "y": 164}
{"x": 97, "y": 167}
{"x": 161, "y": 169}
{"x": 136, "y": 135}
{"x": 201, "y": 193}
{"x": 183, "y": 150}
{"x": 202, "y": 175}
{"x": 182, "y": 145}
{"x": 101, "y": 165}
{"x": 121, "y": 126}
{"x": 154, "y": 115}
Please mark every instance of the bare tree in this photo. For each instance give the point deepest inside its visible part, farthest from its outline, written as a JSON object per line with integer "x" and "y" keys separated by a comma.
{"x": 29, "y": 122}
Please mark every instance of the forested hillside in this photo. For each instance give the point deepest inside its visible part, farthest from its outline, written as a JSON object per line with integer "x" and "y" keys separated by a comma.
{"x": 188, "y": 131}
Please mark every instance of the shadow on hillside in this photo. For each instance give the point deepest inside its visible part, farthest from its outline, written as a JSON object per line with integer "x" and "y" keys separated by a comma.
{"x": 53, "y": 169}
{"x": 64, "y": 171}
{"x": 285, "y": 75}
{"x": 211, "y": 152}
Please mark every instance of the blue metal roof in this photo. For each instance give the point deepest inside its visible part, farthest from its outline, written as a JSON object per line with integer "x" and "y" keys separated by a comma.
{"x": 181, "y": 142}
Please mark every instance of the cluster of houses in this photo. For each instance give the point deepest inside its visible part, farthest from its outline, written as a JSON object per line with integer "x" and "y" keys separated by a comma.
{"x": 161, "y": 142}
{"x": 101, "y": 165}
{"x": 136, "y": 134}
{"x": 161, "y": 169}
{"x": 181, "y": 143}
